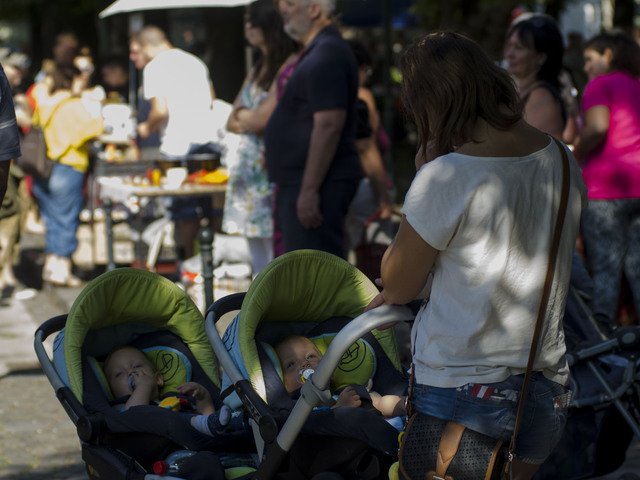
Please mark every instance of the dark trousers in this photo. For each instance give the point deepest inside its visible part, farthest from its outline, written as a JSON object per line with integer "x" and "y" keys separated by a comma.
{"x": 335, "y": 198}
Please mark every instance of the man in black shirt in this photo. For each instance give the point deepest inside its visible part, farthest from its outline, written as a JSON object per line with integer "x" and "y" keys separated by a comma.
{"x": 310, "y": 138}
{"x": 9, "y": 139}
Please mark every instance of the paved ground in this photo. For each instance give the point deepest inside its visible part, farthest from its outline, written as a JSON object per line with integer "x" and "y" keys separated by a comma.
{"x": 37, "y": 439}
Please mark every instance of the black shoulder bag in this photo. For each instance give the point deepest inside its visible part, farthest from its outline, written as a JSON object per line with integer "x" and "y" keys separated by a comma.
{"x": 34, "y": 159}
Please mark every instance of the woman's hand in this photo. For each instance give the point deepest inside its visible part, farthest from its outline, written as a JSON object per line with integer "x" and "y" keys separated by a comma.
{"x": 376, "y": 302}
{"x": 233, "y": 123}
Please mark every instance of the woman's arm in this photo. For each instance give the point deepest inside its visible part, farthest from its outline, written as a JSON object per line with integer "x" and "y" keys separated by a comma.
{"x": 233, "y": 125}
{"x": 373, "y": 167}
{"x": 406, "y": 266}
{"x": 255, "y": 121}
{"x": 370, "y": 158}
{"x": 374, "y": 117}
{"x": 594, "y": 131}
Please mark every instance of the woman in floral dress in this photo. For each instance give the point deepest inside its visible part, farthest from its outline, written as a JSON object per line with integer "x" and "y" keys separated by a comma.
{"x": 248, "y": 209}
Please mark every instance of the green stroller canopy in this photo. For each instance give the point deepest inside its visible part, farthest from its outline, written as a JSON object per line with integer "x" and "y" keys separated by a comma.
{"x": 305, "y": 286}
{"x": 132, "y": 296}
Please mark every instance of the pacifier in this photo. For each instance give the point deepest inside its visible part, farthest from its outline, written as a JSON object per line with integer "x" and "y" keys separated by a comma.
{"x": 305, "y": 374}
{"x": 132, "y": 383}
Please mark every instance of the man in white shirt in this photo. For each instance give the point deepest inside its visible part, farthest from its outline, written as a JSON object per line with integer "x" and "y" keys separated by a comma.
{"x": 181, "y": 94}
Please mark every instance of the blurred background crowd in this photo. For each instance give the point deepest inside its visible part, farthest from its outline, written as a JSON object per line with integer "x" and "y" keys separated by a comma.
{"x": 234, "y": 61}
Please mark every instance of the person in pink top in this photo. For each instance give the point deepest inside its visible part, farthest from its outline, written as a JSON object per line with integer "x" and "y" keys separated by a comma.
{"x": 609, "y": 150}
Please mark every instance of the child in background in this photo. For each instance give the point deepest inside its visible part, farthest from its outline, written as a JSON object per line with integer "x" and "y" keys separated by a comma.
{"x": 130, "y": 372}
{"x": 297, "y": 354}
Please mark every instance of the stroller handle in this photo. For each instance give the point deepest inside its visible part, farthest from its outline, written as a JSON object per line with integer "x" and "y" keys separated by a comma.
{"x": 315, "y": 389}
{"x": 48, "y": 328}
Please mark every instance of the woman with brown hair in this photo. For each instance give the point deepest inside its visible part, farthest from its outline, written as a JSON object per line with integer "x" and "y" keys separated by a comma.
{"x": 533, "y": 52}
{"x": 474, "y": 242}
{"x": 248, "y": 208}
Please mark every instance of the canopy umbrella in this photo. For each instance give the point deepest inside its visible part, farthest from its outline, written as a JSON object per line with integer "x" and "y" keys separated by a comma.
{"x": 124, "y": 6}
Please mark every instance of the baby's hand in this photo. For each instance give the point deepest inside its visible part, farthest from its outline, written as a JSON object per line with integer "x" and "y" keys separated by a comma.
{"x": 204, "y": 403}
{"x": 348, "y": 398}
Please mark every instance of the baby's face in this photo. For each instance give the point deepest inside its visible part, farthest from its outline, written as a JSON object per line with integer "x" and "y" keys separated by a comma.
{"x": 125, "y": 368}
{"x": 297, "y": 355}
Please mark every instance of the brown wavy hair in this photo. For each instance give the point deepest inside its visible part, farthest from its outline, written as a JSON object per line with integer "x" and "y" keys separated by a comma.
{"x": 262, "y": 14}
{"x": 448, "y": 83}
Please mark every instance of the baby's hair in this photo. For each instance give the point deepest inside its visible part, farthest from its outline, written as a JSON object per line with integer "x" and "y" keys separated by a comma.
{"x": 123, "y": 347}
{"x": 289, "y": 337}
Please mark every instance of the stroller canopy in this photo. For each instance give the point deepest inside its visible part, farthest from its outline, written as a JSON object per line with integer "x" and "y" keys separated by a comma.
{"x": 128, "y": 295}
{"x": 304, "y": 286}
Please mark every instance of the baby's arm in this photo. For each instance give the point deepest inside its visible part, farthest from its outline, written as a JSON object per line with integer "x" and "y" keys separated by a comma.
{"x": 204, "y": 403}
{"x": 348, "y": 398}
{"x": 389, "y": 405}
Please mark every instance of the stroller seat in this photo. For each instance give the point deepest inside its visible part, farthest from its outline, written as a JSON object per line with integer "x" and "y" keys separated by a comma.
{"x": 145, "y": 310}
{"x": 317, "y": 295}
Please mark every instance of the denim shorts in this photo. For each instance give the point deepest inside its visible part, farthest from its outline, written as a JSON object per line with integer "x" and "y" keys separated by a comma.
{"x": 491, "y": 409}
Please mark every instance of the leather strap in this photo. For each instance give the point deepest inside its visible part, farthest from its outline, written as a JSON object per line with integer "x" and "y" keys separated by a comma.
{"x": 553, "y": 254}
{"x": 448, "y": 447}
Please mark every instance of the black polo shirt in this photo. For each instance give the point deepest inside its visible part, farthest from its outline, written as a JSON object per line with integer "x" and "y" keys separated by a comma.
{"x": 325, "y": 78}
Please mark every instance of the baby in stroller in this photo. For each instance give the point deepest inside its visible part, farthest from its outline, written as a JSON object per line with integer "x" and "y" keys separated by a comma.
{"x": 151, "y": 314}
{"x": 299, "y": 357}
{"x": 317, "y": 296}
{"x": 134, "y": 380}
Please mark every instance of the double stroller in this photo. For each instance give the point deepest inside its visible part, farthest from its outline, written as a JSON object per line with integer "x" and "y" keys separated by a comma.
{"x": 317, "y": 295}
{"x": 310, "y": 293}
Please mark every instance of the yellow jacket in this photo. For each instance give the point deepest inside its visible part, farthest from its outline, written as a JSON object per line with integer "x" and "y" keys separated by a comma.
{"x": 68, "y": 126}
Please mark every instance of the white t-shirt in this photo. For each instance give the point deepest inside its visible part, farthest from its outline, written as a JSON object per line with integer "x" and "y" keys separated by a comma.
{"x": 183, "y": 79}
{"x": 492, "y": 221}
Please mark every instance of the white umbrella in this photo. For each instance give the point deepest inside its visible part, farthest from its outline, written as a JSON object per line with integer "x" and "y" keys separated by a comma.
{"x": 123, "y": 6}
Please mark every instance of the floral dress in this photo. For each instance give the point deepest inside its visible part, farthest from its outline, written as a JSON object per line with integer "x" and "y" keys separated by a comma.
{"x": 248, "y": 207}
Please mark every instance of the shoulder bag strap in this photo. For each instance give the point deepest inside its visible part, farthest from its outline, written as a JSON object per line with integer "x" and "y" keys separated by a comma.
{"x": 555, "y": 243}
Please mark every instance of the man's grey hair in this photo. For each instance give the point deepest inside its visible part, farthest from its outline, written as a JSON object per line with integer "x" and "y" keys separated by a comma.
{"x": 327, "y": 6}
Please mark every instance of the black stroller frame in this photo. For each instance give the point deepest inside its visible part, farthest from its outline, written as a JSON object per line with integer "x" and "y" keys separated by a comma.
{"x": 627, "y": 342}
{"x": 89, "y": 427}
{"x": 604, "y": 413}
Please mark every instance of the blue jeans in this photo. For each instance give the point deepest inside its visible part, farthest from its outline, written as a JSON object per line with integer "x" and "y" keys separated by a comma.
{"x": 60, "y": 200}
{"x": 335, "y": 198}
{"x": 491, "y": 409}
{"x": 611, "y": 235}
